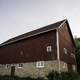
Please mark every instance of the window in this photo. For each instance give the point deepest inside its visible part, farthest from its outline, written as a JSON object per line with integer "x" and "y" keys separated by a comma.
{"x": 65, "y": 50}
{"x": 40, "y": 64}
{"x": 74, "y": 67}
{"x": 8, "y": 66}
{"x": 72, "y": 54}
{"x": 49, "y": 48}
{"x": 20, "y": 65}
{"x": 64, "y": 65}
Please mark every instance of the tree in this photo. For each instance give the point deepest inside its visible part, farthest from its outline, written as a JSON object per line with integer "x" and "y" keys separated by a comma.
{"x": 77, "y": 41}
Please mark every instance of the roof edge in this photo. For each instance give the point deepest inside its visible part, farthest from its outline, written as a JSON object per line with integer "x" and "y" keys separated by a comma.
{"x": 27, "y": 37}
{"x": 31, "y": 35}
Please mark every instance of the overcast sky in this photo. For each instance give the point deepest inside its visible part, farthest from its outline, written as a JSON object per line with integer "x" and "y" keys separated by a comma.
{"x": 21, "y": 16}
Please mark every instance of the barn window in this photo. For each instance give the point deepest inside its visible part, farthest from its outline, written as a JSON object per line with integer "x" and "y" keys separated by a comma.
{"x": 74, "y": 67}
{"x": 72, "y": 54}
{"x": 20, "y": 65}
{"x": 8, "y": 66}
{"x": 40, "y": 64}
{"x": 49, "y": 48}
{"x": 64, "y": 65}
{"x": 65, "y": 50}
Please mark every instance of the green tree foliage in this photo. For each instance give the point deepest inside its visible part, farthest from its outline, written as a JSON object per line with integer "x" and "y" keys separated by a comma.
{"x": 77, "y": 41}
{"x": 63, "y": 76}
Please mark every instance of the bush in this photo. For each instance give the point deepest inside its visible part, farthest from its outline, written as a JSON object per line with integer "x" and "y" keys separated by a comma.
{"x": 69, "y": 76}
{"x": 62, "y": 76}
{"x": 18, "y": 78}
{"x": 53, "y": 76}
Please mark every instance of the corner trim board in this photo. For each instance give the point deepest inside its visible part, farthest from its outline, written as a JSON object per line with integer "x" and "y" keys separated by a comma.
{"x": 58, "y": 54}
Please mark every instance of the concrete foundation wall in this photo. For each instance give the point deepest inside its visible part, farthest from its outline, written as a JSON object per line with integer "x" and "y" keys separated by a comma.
{"x": 30, "y": 69}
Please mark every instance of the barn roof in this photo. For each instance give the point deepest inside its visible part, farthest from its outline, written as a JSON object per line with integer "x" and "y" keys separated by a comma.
{"x": 33, "y": 33}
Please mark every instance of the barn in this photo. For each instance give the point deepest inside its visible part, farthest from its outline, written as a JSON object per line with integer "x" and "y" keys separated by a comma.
{"x": 38, "y": 52}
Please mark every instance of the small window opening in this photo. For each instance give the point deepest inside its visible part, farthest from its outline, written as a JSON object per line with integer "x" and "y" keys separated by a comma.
{"x": 49, "y": 48}
{"x": 40, "y": 64}
{"x": 65, "y": 50}
{"x": 20, "y": 65}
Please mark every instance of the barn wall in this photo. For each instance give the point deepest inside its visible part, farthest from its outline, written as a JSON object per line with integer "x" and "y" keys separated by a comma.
{"x": 65, "y": 41}
{"x": 30, "y": 49}
{"x": 30, "y": 69}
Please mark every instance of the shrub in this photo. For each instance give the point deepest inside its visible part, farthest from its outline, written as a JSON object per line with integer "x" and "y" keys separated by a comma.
{"x": 62, "y": 76}
{"x": 53, "y": 76}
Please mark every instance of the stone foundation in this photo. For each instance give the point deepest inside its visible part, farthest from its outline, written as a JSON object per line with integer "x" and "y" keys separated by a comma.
{"x": 5, "y": 71}
{"x": 30, "y": 69}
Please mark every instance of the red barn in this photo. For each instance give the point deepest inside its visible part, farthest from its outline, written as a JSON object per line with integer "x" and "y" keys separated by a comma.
{"x": 38, "y": 52}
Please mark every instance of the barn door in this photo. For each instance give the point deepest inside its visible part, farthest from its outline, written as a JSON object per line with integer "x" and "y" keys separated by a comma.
{"x": 69, "y": 67}
{"x": 12, "y": 70}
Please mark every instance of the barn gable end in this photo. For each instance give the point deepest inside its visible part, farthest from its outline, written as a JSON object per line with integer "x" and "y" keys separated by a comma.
{"x": 38, "y": 52}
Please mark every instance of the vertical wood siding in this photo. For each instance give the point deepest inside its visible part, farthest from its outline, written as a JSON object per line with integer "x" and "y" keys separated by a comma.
{"x": 30, "y": 49}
